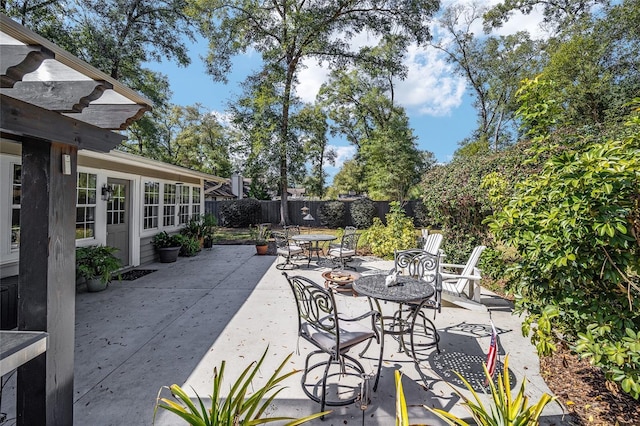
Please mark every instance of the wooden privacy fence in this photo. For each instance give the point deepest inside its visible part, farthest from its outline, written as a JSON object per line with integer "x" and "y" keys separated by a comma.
{"x": 270, "y": 211}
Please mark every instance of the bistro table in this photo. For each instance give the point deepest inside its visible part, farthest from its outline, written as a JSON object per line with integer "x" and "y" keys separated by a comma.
{"x": 406, "y": 290}
{"x": 315, "y": 240}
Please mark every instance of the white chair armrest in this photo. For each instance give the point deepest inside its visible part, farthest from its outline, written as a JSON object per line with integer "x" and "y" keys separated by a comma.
{"x": 451, "y": 277}
{"x": 452, "y": 265}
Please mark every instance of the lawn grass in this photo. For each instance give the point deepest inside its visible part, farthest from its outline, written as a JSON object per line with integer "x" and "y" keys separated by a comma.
{"x": 243, "y": 235}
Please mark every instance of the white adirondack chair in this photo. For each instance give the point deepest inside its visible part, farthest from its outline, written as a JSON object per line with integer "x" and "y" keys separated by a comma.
{"x": 432, "y": 243}
{"x": 461, "y": 283}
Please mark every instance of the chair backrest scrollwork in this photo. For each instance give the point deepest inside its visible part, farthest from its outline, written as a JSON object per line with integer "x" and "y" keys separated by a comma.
{"x": 316, "y": 309}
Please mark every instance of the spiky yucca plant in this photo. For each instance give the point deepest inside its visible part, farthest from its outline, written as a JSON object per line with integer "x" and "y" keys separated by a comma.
{"x": 235, "y": 409}
{"x": 505, "y": 410}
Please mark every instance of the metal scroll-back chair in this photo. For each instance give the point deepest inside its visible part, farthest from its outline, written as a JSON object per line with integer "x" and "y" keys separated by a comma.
{"x": 320, "y": 324}
{"x": 286, "y": 249}
{"x": 345, "y": 251}
{"x": 426, "y": 266}
{"x": 461, "y": 283}
{"x": 290, "y": 231}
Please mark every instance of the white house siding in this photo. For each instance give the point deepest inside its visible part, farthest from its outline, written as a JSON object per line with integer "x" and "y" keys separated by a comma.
{"x": 115, "y": 165}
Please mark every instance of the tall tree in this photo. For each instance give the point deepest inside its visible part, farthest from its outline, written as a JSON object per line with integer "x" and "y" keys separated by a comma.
{"x": 360, "y": 102}
{"x": 312, "y": 123}
{"x": 46, "y": 17}
{"x": 493, "y": 68}
{"x": 558, "y": 14}
{"x": 118, "y": 36}
{"x": 287, "y": 32}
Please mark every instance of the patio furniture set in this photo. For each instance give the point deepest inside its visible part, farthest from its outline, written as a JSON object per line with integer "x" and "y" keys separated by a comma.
{"x": 416, "y": 285}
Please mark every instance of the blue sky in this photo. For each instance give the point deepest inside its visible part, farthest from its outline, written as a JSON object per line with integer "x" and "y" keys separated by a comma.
{"x": 435, "y": 98}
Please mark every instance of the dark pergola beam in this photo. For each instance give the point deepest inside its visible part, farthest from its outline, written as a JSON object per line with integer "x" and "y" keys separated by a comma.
{"x": 21, "y": 119}
{"x": 60, "y": 96}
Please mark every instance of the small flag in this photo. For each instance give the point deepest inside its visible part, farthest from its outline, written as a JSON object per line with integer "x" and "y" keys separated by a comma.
{"x": 492, "y": 356}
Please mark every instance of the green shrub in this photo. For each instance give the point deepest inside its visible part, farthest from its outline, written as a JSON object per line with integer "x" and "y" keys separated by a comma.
{"x": 331, "y": 214}
{"x": 398, "y": 234}
{"x": 362, "y": 213}
{"x": 575, "y": 228}
{"x": 189, "y": 246}
{"x": 97, "y": 262}
{"x": 240, "y": 213}
{"x": 422, "y": 216}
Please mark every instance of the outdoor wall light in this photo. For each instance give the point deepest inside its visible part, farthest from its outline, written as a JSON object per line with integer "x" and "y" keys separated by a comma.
{"x": 107, "y": 192}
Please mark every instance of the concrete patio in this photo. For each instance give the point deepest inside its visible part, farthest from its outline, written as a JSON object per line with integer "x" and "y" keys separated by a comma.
{"x": 178, "y": 323}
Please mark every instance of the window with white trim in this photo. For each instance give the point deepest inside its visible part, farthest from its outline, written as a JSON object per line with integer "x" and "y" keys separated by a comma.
{"x": 16, "y": 191}
{"x": 185, "y": 199}
{"x": 169, "y": 208}
{"x": 195, "y": 211}
{"x": 86, "y": 195}
{"x": 151, "y": 204}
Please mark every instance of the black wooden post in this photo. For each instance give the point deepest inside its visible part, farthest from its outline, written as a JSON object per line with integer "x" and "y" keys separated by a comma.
{"x": 47, "y": 281}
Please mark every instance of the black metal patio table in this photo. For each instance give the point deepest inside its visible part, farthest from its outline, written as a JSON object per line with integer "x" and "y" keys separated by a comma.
{"x": 407, "y": 289}
{"x": 315, "y": 240}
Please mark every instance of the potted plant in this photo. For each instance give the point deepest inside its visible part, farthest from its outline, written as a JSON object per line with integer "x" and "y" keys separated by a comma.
{"x": 209, "y": 223}
{"x": 168, "y": 246}
{"x": 261, "y": 234}
{"x": 97, "y": 264}
{"x": 194, "y": 229}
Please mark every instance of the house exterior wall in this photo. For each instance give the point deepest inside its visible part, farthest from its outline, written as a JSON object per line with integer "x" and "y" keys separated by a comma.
{"x": 132, "y": 169}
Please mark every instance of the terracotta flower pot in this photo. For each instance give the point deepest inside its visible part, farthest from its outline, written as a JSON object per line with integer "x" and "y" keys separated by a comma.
{"x": 262, "y": 250}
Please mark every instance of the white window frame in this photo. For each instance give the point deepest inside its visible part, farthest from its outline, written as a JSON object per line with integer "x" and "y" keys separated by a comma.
{"x": 87, "y": 205}
{"x": 146, "y": 206}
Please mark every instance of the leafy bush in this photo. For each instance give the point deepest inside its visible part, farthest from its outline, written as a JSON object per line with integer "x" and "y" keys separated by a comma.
{"x": 240, "y": 213}
{"x": 189, "y": 246}
{"x": 97, "y": 262}
{"x": 398, "y": 234}
{"x": 422, "y": 217}
{"x": 164, "y": 240}
{"x": 576, "y": 228}
{"x": 331, "y": 214}
{"x": 362, "y": 212}
{"x": 457, "y": 199}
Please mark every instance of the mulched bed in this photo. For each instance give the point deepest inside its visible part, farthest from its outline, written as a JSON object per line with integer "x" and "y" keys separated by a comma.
{"x": 586, "y": 394}
{"x": 134, "y": 274}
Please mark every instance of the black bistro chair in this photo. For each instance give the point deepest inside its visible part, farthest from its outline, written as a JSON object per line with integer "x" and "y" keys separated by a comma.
{"x": 320, "y": 324}
{"x": 421, "y": 264}
{"x": 343, "y": 253}
{"x": 287, "y": 249}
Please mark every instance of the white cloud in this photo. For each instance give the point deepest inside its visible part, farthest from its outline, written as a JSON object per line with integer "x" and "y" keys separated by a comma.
{"x": 344, "y": 153}
{"x": 431, "y": 86}
{"x": 311, "y": 78}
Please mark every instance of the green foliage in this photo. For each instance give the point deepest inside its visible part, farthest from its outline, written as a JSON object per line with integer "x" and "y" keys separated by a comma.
{"x": 506, "y": 409}
{"x": 193, "y": 228}
{"x": 398, "y": 234}
{"x": 620, "y": 358}
{"x": 164, "y": 240}
{"x": 236, "y": 408}
{"x": 332, "y": 214}
{"x": 189, "y": 246}
{"x": 240, "y": 213}
{"x": 260, "y": 233}
{"x": 575, "y": 228}
{"x": 362, "y": 212}
{"x": 457, "y": 197}
{"x": 422, "y": 216}
{"x": 97, "y": 262}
